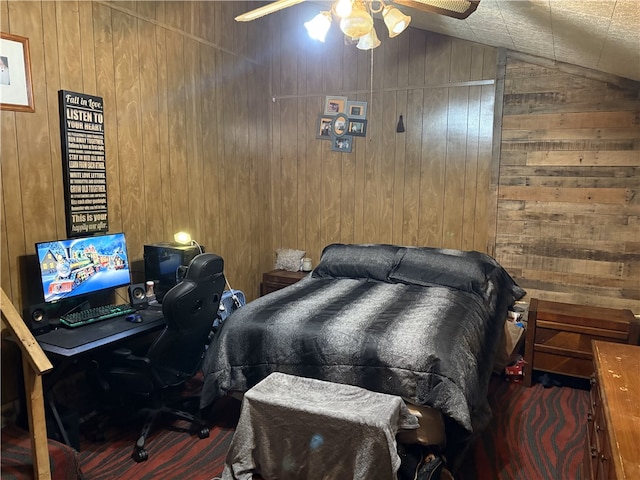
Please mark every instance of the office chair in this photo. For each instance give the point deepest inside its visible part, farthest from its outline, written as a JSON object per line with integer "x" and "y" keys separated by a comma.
{"x": 190, "y": 309}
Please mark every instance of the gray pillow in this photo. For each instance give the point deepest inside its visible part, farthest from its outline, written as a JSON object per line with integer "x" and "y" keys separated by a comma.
{"x": 471, "y": 272}
{"x": 373, "y": 261}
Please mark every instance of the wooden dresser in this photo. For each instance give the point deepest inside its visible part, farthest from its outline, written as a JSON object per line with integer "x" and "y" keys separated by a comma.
{"x": 612, "y": 447}
{"x": 559, "y": 336}
{"x": 277, "y": 279}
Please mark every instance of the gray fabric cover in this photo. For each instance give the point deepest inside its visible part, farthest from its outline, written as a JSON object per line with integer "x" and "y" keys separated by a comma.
{"x": 430, "y": 345}
{"x": 295, "y": 428}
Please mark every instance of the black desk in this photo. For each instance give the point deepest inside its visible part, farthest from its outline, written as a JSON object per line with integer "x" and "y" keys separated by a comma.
{"x": 68, "y": 346}
{"x": 71, "y": 342}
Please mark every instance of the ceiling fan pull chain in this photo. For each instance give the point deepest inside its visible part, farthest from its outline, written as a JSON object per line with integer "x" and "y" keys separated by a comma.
{"x": 371, "y": 86}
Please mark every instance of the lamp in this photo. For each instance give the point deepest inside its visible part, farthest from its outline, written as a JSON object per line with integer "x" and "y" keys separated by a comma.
{"x": 368, "y": 41}
{"x": 183, "y": 238}
{"x": 395, "y": 20}
{"x": 319, "y": 26}
{"x": 358, "y": 22}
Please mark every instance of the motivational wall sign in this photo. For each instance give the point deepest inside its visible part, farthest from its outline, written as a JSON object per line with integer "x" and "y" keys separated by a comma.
{"x": 83, "y": 162}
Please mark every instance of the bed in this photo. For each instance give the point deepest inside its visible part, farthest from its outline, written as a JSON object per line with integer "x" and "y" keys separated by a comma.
{"x": 417, "y": 322}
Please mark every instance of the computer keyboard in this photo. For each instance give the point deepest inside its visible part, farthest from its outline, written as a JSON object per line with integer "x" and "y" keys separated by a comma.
{"x": 95, "y": 314}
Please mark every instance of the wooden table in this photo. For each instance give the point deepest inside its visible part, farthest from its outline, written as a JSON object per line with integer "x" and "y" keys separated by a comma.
{"x": 277, "y": 279}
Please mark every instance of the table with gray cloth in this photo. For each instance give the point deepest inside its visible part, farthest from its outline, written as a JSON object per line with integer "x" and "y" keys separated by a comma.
{"x": 300, "y": 428}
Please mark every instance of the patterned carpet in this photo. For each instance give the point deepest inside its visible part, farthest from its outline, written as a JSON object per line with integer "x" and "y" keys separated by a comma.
{"x": 536, "y": 433}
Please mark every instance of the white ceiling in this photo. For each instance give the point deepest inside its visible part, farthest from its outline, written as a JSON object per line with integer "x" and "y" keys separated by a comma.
{"x": 602, "y": 35}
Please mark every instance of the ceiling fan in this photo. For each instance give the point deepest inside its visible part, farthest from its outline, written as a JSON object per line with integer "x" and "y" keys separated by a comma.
{"x": 451, "y": 8}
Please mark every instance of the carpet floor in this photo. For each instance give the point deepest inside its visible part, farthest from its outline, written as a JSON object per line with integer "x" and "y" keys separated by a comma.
{"x": 536, "y": 433}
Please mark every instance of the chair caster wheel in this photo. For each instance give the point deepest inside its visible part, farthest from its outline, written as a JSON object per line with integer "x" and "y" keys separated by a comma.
{"x": 140, "y": 455}
{"x": 203, "y": 432}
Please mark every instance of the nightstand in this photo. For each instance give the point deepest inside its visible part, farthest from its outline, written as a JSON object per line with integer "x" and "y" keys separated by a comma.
{"x": 559, "y": 336}
{"x": 277, "y": 279}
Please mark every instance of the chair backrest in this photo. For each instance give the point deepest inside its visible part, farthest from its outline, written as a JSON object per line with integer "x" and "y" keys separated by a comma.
{"x": 190, "y": 308}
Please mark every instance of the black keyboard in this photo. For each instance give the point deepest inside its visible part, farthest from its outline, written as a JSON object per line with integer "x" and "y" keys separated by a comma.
{"x": 96, "y": 314}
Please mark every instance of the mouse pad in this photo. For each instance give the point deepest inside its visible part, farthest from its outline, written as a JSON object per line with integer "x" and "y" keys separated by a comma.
{"x": 75, "y": 337}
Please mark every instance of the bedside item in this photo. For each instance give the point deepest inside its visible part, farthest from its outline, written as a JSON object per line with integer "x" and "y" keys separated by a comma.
{"x": 307, "y": 266}
{"x": 612, "y": 447}
{"x": 559, "y": 336}
{"x": 289, "y": 259}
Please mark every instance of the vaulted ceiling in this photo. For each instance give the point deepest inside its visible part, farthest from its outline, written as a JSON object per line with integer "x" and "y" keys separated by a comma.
{"x": 602, "y": 35}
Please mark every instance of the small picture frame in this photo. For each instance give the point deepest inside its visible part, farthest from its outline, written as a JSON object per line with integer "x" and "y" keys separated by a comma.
{"x": 357, "y": 110}
{"x": 335, "y": 105}
{"x": 15, "y": 74}
{"x": 357, "y": 128}
{"x": 339, "y": 125}
{"x": 342, "y": 144}
{"x": 325, "y": 127}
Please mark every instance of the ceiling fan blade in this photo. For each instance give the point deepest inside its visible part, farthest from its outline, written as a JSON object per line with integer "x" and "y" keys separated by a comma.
{"x": 266, "y": 10}
{"x": 451, "y": 8}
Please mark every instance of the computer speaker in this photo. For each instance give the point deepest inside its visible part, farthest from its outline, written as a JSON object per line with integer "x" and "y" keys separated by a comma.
{"x": 38, "y": 320}
{"x": 138, "y": 295}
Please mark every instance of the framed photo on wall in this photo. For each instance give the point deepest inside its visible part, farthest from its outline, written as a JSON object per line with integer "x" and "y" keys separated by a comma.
{"x": 335, "y": 105}
{"x": 324, "y": 130}
{"x": 357, "y": 110}
{"x": 339, "y": 125}
{"x": 15, "y": 74}
{"x": 357, "y": 128}
{"x": 342, "y": 144}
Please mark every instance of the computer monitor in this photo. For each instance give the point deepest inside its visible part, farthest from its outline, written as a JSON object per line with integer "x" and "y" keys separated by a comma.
{"x": 82, "y": 266}
{"x": 165, "y": 264}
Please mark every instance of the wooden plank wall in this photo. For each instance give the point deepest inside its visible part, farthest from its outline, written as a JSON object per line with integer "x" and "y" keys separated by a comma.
{"x": 428, "y": 186}
{"x": 569, "y": 193}
{"x": 187, "y": 138}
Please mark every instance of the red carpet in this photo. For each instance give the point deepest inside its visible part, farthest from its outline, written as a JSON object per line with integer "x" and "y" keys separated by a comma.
{"x": 535, "y": 434}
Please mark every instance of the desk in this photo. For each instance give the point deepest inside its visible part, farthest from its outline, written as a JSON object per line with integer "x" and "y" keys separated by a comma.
{"x": 67, "y": 343}
{"x": 67, "y": 346}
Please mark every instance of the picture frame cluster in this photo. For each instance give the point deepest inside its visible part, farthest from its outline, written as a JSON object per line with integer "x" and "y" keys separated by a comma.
{"x": 341, "y": 121}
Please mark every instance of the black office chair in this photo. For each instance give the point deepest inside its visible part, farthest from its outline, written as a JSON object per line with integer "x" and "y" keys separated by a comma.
{"x": 175, "y": 356}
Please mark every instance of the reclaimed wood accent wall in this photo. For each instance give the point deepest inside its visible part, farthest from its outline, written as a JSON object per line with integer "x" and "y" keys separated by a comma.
{"x": 428, "y": 186}
{"x": 569, "y": 193}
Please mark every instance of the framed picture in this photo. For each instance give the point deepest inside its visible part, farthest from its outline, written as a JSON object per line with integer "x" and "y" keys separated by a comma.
{"x": 335, "y": 105}
{"x": 357, "y": 109}
{"x": 15, "y": 74}
{"x": 342, "y": 144}
{"x": 339, "y": 125}
{"x": 325, "y": 127}
{"x": 357, "y": 128}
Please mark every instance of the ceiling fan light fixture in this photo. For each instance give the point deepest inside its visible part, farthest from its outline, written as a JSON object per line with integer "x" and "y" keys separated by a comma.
{"x": 343, "y": 8}
{"x": 318, "y": 26}
{"x": 396, "y": 21}
{"x": 358, "y": 23}
{"x": 368, "y": 41}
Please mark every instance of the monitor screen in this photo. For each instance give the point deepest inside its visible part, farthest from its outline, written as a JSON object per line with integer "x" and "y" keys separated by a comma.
{"x": 82, "y": 266}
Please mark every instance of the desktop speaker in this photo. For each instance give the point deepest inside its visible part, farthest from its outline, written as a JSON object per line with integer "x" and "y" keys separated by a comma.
{"x": 38, "y": 320}
{"x": 138, "y": 295}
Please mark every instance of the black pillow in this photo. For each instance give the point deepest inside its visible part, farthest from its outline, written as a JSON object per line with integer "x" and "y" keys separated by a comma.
{"x": 467, "y": 271}
{"x": 373, "y": 261}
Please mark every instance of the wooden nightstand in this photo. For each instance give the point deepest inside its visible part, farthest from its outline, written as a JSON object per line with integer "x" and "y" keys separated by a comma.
{"x": 277, "y": 279}
{"x": 559, "y": 336}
